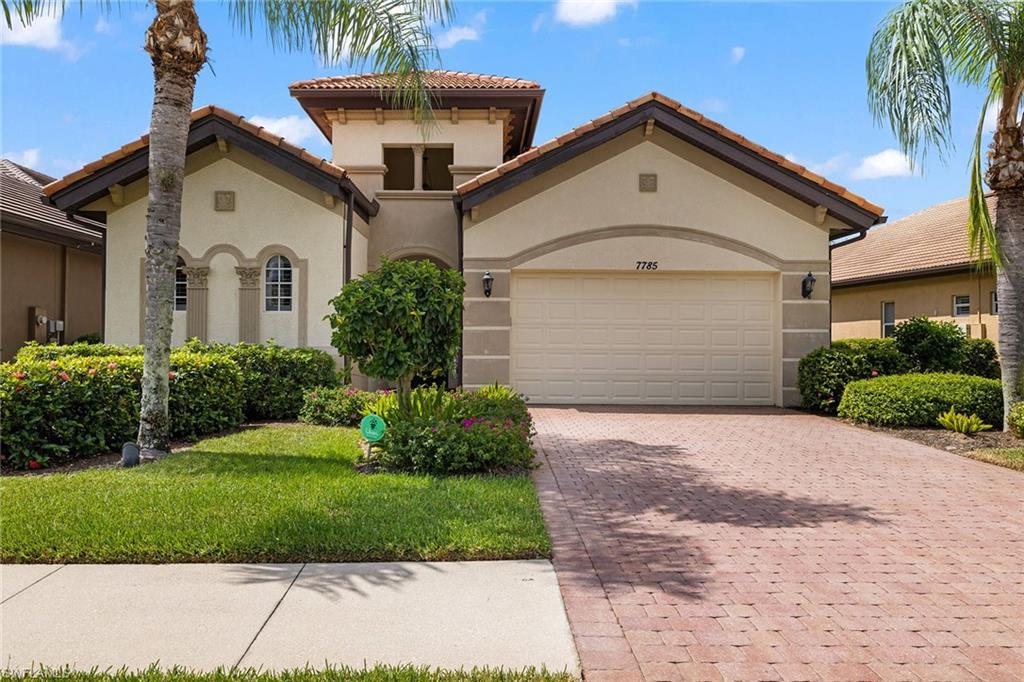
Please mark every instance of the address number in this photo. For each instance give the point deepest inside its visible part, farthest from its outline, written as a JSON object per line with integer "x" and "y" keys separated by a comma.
{"x": 647, "y": 265}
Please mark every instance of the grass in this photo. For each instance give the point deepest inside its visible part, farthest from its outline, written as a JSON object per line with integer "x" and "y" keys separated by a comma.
{"x": 1011, "y": 458}
{"x": 275, "y": 493}
{"x": 331, "y": 674}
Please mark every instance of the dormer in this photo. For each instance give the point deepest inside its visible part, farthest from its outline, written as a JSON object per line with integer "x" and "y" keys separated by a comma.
{"x": 480, "y": 121}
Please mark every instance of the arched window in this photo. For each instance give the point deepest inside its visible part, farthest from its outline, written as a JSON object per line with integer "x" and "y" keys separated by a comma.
{"x": 180, "y": 286}
{"x": 278, "y": 292}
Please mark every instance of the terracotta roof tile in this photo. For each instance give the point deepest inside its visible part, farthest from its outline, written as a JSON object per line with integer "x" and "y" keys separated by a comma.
{"x": 434, "y": 79}
{"x": 693, "y": 115}
{"x": 202, "y": 112}
{"x": 935, "y": 238}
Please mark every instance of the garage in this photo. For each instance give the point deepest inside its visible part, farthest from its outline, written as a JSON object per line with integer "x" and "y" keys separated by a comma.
{"x": 648, "y": 338}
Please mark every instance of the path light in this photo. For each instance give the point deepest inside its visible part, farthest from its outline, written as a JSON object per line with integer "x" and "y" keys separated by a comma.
{"x": 488, "y": 283}
{"x": 807, "y": 286}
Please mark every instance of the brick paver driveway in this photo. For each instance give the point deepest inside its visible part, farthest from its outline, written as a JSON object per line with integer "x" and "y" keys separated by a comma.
{"x": 768, "y": 544}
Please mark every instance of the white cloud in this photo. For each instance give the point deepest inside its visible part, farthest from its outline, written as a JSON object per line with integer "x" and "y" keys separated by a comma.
{"x": 28, "y": 157}
{"x": 888, "y": 163}
{"x": 634, "y": 42}
{"x": 538, "y": 22}
{"x": 588, "y": 12}
{"x": 456, "y": 34}
{"x": 295, "y": 129}
{"x": 103, "y": 26}
{"x": 992, "y": 117}
{"x": 43, "y": 33}
{"x": 829, "y": 166}
{"x": 737, "y": 54}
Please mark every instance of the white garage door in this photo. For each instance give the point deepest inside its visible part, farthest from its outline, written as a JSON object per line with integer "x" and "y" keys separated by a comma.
{"x": 643, "y": 338}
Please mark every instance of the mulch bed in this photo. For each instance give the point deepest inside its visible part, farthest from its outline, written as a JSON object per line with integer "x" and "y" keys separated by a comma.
{"x": 950, "y": 441}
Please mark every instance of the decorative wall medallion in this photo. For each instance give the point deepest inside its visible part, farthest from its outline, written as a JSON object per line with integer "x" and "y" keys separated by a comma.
{"x": 223, "y": 200}
{"x": 648, "y": 182}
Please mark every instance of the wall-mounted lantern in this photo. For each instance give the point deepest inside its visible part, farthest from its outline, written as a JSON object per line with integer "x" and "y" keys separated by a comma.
{"x": 807, "y": 285}
{"x": 488, "y": 280}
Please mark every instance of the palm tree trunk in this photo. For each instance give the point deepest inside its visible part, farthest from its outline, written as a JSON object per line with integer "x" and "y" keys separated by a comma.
{"x": 177, "y": 45}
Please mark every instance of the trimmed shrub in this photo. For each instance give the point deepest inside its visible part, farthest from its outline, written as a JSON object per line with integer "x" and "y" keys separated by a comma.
{"x": 1016, "y": 419}
{"x": 980, "y": 358}
{"x": 51, "y": 351}
{"x": 334, "y": 406}
{"x": 824, "y": 373}
{"x": 76, "y": 406}
{"x": 919, "y": 399}
{"x": 931, "y": 346}
{"x": 441, "y": 447}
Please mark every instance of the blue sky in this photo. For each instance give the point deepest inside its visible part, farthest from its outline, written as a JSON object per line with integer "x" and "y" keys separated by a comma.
{"x": 787, "y": 75}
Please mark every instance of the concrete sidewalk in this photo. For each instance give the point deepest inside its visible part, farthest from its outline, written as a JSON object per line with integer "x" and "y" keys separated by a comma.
{"x": 279, "y": 616}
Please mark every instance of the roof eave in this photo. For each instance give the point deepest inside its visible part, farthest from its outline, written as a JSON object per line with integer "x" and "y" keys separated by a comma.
{"x": 917, "y": 273}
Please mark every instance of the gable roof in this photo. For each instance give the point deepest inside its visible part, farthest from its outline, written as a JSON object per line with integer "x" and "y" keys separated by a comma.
{"x": 448, "y": 89}
{"x": 130, "y": 162}
{"x": 932, "y": 241}
{"x": 713, "y": 137}
{"x": 24, "y": 213}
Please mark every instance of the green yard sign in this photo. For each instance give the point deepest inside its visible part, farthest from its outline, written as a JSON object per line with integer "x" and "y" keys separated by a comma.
{"x": 372, "y": 427}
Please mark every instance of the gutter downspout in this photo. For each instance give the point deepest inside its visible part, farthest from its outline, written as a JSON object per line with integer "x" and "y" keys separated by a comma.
{"x": 460, "y": 237}
{"x": 346, "y": 266}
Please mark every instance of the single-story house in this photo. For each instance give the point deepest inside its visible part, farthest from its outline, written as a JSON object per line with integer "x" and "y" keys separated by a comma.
{"x": 650, "y": 255}
{"x": 51, "y": 266}
{"x": 918, "y": 266}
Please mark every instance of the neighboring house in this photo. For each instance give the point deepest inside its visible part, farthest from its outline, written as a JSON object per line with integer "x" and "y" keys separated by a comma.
{"x": 648, "y": 256}
{"x": 51, "y": 267}
{"x": 916, "y": 266}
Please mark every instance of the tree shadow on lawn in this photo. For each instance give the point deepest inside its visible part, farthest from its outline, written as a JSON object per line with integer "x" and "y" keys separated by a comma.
{"x": 645, "y": 515}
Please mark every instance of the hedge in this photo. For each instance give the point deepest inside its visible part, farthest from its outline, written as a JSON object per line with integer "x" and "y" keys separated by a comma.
{"x": 76, "y": 406}
{"x": 918, "y": 399}
{"x": 823, "y": 373}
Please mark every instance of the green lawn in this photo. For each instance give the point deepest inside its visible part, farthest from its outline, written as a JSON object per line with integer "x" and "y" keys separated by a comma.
{"x": 378, "y": 674}
{"x": 281, "y": 493}
{"x": 1011, "y": 458}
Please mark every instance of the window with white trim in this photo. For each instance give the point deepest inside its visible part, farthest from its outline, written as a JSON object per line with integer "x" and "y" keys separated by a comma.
{"x": 888, "y": 318}
{"x": 180, "y": 286}
{"x": 278, "y": 285}
{"x": 961, "y": 305}
{"x": 994, "y": 303}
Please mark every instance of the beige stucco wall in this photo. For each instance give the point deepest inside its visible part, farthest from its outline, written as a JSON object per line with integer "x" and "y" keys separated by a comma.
{"x": 275, "y": 213}
{"x": 414, "y": 226}
{"x": 588, "y": 214}
{"x": 857, "y": 310}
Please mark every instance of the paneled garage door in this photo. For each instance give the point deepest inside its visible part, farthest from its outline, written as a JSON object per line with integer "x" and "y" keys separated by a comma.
{"x": 643, "y": 338}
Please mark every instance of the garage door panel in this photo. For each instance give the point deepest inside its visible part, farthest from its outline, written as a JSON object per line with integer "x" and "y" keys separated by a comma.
{"x": 652, "y": 337}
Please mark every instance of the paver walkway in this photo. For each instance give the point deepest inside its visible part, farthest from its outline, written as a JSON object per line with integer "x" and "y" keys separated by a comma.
{"x": 283, "y": 616}
{"x": 770, "y": 544}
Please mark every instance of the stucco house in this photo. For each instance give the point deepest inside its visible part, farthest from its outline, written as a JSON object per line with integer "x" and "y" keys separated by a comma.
{"x": 50, "y": 266}
{"x": 918, "y": 266}
{"x": 650, "y": 255}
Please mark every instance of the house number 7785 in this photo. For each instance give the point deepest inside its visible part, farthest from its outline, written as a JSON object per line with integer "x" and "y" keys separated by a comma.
{"x": 647, "y": 265}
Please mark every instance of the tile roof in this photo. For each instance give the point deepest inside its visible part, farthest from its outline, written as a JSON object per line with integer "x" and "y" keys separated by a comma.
{"x": 434, "y": 79}
{"x": 718, "y": 128}
{"x": 21, "y": 198}
{"x": 202, "y": 112}
{"x": 932, "y": 239}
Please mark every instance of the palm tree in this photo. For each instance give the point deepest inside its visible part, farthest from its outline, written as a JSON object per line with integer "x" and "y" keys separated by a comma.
{"x": 919, "y": 48}
{"x": 393, "y": 35}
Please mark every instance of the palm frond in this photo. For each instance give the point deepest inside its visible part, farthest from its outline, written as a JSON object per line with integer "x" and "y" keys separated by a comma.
{"x": 981, "y": 231}
{"x": 393, "y": 36}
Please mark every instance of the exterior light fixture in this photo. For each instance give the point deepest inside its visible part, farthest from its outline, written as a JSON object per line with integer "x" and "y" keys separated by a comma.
{"x": 488, "y": 280}
{"x": 807, "y": 285}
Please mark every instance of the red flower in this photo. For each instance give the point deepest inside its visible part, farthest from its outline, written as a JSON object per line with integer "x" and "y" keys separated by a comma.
{"x": 172, "y": 375}
{"x": 65, "y": 376}
{"x": 112, "y": 365}
{"x": 874, "y": 373}
{"x": 92, "y": 371}
{"x": 20, "y": 375}
{"x": 33, "y": 464}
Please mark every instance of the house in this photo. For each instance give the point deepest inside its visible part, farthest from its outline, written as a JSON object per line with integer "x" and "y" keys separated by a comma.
{"x": 50, "y": 264}
{"x": 650, "y": 255}
{"x": 916, "y": 266}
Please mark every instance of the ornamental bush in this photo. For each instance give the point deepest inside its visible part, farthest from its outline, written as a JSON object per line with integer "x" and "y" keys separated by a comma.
{"x": 919, "y": 399}
{"x": 75, "y": 406}
{"x": 980, "y": 358}
{"x": 823, "y": 374}
{"x": 335, "y": 406}
{"x": 274, "y": 378}
{"x": 1016, "y": 419}
{"x": 473, "y": 445}
{"x": 34, "y": 350}
{"x": 931, "y": 346}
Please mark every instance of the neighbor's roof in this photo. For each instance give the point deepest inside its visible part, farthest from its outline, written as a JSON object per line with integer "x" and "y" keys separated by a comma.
{"x": 931, "y": 241}
{"x": 23, "y": 211}
{"x": 209, "y": 110}
{"x": 433, "y": 79}
{"x": 558, "y": 142}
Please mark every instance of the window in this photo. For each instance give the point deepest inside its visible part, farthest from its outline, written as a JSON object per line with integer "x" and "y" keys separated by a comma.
{"x": 399, "y": 162}
{"x": 180, "y": 286}
{"x": 278, "y": 293}
{"x": 961, "y": 306}
{"x": 994, "y": 303}
{"x": 888, "y": 318}
{"x": 434, "y": 173}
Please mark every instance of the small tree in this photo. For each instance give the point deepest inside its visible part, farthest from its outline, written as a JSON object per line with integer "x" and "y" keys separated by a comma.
{"x": 402, "y": 320}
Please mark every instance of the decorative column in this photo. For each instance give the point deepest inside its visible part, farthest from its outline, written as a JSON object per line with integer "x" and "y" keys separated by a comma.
{"x": 196, "y": 306}
{"x": 248, "y": 304}
{"x": 417, "y": 166}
